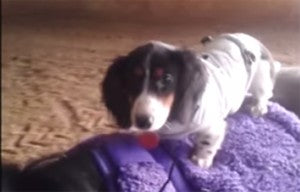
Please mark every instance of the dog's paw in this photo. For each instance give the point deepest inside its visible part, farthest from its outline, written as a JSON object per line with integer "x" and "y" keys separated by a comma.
{"x": 202, "y": 162}
{"x": 258, "y": 110}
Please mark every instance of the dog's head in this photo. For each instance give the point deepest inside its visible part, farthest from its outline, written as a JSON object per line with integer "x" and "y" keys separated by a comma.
{"x": 153, "y": 84}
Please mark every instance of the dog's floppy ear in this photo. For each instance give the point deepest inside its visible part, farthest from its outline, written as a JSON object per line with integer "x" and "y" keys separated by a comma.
{"x": 191, "y": 85}
{"x": 114, "y": 95}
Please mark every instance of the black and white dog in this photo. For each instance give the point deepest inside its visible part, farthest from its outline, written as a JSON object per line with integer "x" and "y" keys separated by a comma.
{"x": 174, "y": 91}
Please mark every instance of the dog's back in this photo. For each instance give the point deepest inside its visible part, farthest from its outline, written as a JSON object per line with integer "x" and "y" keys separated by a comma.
{"x": 230, "y": 69}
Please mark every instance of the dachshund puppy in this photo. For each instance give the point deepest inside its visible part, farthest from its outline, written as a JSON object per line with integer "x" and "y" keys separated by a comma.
{"x": 174, "y": 91}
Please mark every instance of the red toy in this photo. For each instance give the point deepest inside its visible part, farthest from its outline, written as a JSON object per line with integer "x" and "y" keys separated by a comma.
{"x": 148, "y": 140}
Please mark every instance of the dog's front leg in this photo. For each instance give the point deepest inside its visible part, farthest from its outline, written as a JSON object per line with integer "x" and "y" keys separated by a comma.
{"x": 261, "y": 89}
{"x": 208, "y": 142}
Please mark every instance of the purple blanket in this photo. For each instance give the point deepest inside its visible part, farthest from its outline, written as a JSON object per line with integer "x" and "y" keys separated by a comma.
{"x": 258, "y": 154}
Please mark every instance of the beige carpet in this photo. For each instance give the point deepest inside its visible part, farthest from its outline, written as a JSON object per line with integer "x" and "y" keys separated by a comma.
{"x": 51, "y": 71}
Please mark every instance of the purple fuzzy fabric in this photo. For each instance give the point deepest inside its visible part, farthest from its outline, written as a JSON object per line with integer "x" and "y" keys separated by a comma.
{"x": 258, "y": 155}
{"x": 146, "y": 177}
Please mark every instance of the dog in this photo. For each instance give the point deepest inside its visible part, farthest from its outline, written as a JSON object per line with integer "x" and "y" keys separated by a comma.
{"x": 173, "y": 91}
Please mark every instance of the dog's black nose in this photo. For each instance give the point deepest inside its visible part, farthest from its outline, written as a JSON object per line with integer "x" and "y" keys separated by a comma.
{"x": 144, "y": 121}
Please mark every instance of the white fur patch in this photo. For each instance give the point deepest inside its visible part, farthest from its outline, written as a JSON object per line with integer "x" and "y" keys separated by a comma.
{"x": 162, "y": 44}
{"x": 150, "y": 105}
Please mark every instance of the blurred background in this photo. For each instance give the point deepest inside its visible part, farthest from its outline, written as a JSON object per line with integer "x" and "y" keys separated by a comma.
{"x": 55, "y": 54}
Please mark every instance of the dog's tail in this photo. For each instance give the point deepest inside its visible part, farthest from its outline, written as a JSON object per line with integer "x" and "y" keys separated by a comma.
{"x": 10, "y": 175}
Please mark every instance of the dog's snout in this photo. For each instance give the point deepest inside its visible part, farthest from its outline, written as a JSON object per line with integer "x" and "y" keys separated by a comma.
{"x": 144, "y": 121}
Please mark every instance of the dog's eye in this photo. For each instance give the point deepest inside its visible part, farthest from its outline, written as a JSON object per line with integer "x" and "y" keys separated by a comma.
{"x": 165, "y": 82}
{"x": 167, "y": 78}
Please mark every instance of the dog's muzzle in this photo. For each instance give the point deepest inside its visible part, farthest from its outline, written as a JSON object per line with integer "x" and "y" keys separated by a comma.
{"x": 149, "y": 113}
{"x": 144, "y": 121}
